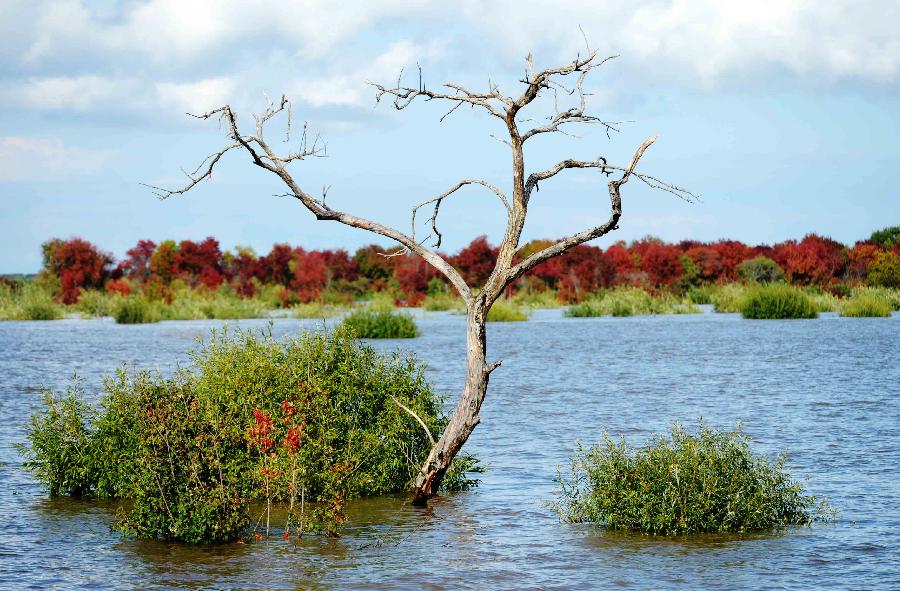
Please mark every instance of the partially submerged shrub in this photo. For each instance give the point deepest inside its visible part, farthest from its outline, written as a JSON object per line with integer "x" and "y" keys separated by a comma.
{"x": 318, "y": 417}
{"x": 760, "y": 270}
{"x": 683, "y": 483}
{"x": 777, "y": 301}
{"x": 630, "y": 301}
{"x": 822, "y": 301}
{"x": 503, "y": 311}
{"x": 381, "y": 324}
{"x": 866, "y": 304}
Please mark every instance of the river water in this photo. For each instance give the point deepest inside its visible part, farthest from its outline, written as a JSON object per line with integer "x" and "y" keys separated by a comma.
{"x": 827, "y": 391}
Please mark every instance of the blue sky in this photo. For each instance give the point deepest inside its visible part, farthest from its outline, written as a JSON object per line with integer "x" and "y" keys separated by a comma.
{"x": 783, "y": 116}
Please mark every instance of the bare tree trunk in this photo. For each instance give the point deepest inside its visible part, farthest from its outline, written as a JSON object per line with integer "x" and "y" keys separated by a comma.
{"x": 467, "y": 414}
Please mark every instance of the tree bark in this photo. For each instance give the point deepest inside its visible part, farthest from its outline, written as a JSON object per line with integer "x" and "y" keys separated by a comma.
{"x": 467, "y": 414}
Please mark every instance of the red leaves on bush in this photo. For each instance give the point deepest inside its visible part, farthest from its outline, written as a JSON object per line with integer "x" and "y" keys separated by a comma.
{"x": 78, "y": 265}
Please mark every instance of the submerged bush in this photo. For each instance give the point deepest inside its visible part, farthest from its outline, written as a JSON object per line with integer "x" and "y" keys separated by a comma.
{"x": 630, "y": 301}
{"x": 319, "y": 417}
{"x": 865, "y": 304}
{"x": 381, "y": 324}
{"x": 776, "y": 301}
{"x": 683, "y": 483}
{"x": 503, "y": 311}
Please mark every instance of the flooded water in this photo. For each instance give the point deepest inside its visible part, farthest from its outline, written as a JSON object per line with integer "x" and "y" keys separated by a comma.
{"x": 826, "y": 390}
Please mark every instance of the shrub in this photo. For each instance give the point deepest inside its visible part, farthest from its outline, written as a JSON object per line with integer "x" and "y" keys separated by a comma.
{"x": 866, "y": 304}
{"x": 136, "y": 309}
{"x": 760, "y": 270}
{"x": 683, "y": 484}
{"x": 256, "y": 419}
{"x": 537, "y": 299}
{"x": 777, "y": 301}
{"x": 60, "y": 452}
{"x": 885, "y": 270}
{"x": 504, "y": 311}
{"x": 886, "y": 237}
{"x": 381, "y": 324}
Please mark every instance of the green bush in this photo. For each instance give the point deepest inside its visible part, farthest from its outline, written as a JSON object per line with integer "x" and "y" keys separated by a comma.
{"x": 504, "y": 311}
{"x": 96, "y": 303}
{"x": 866, "y": 304}
{"x": 630, "y": 301}
{"x": 317, "y": 417}
{"x": 136, "y": 309}
{"x": 777, "y": 301}
{"x": 886, "y": 237}
{"x": 683, "y": 484}
{"x": 885, "y": 270}
{"x": 381, "y": 324}
{"x": 760, "y": 270}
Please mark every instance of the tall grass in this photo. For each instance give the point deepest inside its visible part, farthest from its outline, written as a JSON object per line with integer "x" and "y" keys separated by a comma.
{"x": 537, "y": 299}
{"x": 630, "y": 301}
{"x": 137, "y": 309}
{"x": 317, "y": 310}
{"x": 728, "y": 297}
{"x": 28, "y": 301}
{"x": 822, "y": 300}
{"x": 381, "y": 324}
{"x": 683, "y": 483}
{"x": 888, "y": 294}
{"x": 777, "y": 301}
{"x": 442, "y": 301}
{"x": 866, "y": 304}
{"x": 506, "y": 311}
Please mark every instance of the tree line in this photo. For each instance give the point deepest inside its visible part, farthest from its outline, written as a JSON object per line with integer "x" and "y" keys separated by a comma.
{"x": 303, "y": 275}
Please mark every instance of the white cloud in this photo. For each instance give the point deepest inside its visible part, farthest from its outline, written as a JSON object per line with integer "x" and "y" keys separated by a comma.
{"x": 196, "y": 97}
{"x": 351, "y": 88}
{"x": 190, "y": 55}
{"x": 28, "y": 159}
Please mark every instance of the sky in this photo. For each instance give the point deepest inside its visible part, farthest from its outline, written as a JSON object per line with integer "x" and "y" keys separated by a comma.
{"x": 783, "y": 116}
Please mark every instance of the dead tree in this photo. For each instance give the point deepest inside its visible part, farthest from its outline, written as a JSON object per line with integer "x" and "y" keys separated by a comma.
{"x": 478, "y": 299}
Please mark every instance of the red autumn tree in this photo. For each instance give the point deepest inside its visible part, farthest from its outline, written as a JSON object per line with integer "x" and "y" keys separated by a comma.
{"x": 78, "y": 265}
{"x": 476, "y": 261}
{"x": 732, "y": 253}
{"x": 136, "y": 265}
{"x": 200, "y": 263}
{"x": 707, "y": 262}
{"x": 309, "y": 274}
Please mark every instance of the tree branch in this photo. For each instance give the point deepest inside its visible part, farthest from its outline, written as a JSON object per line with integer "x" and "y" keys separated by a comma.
{"x": 615, "y": 200}
{"x": 440, "y": 198}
